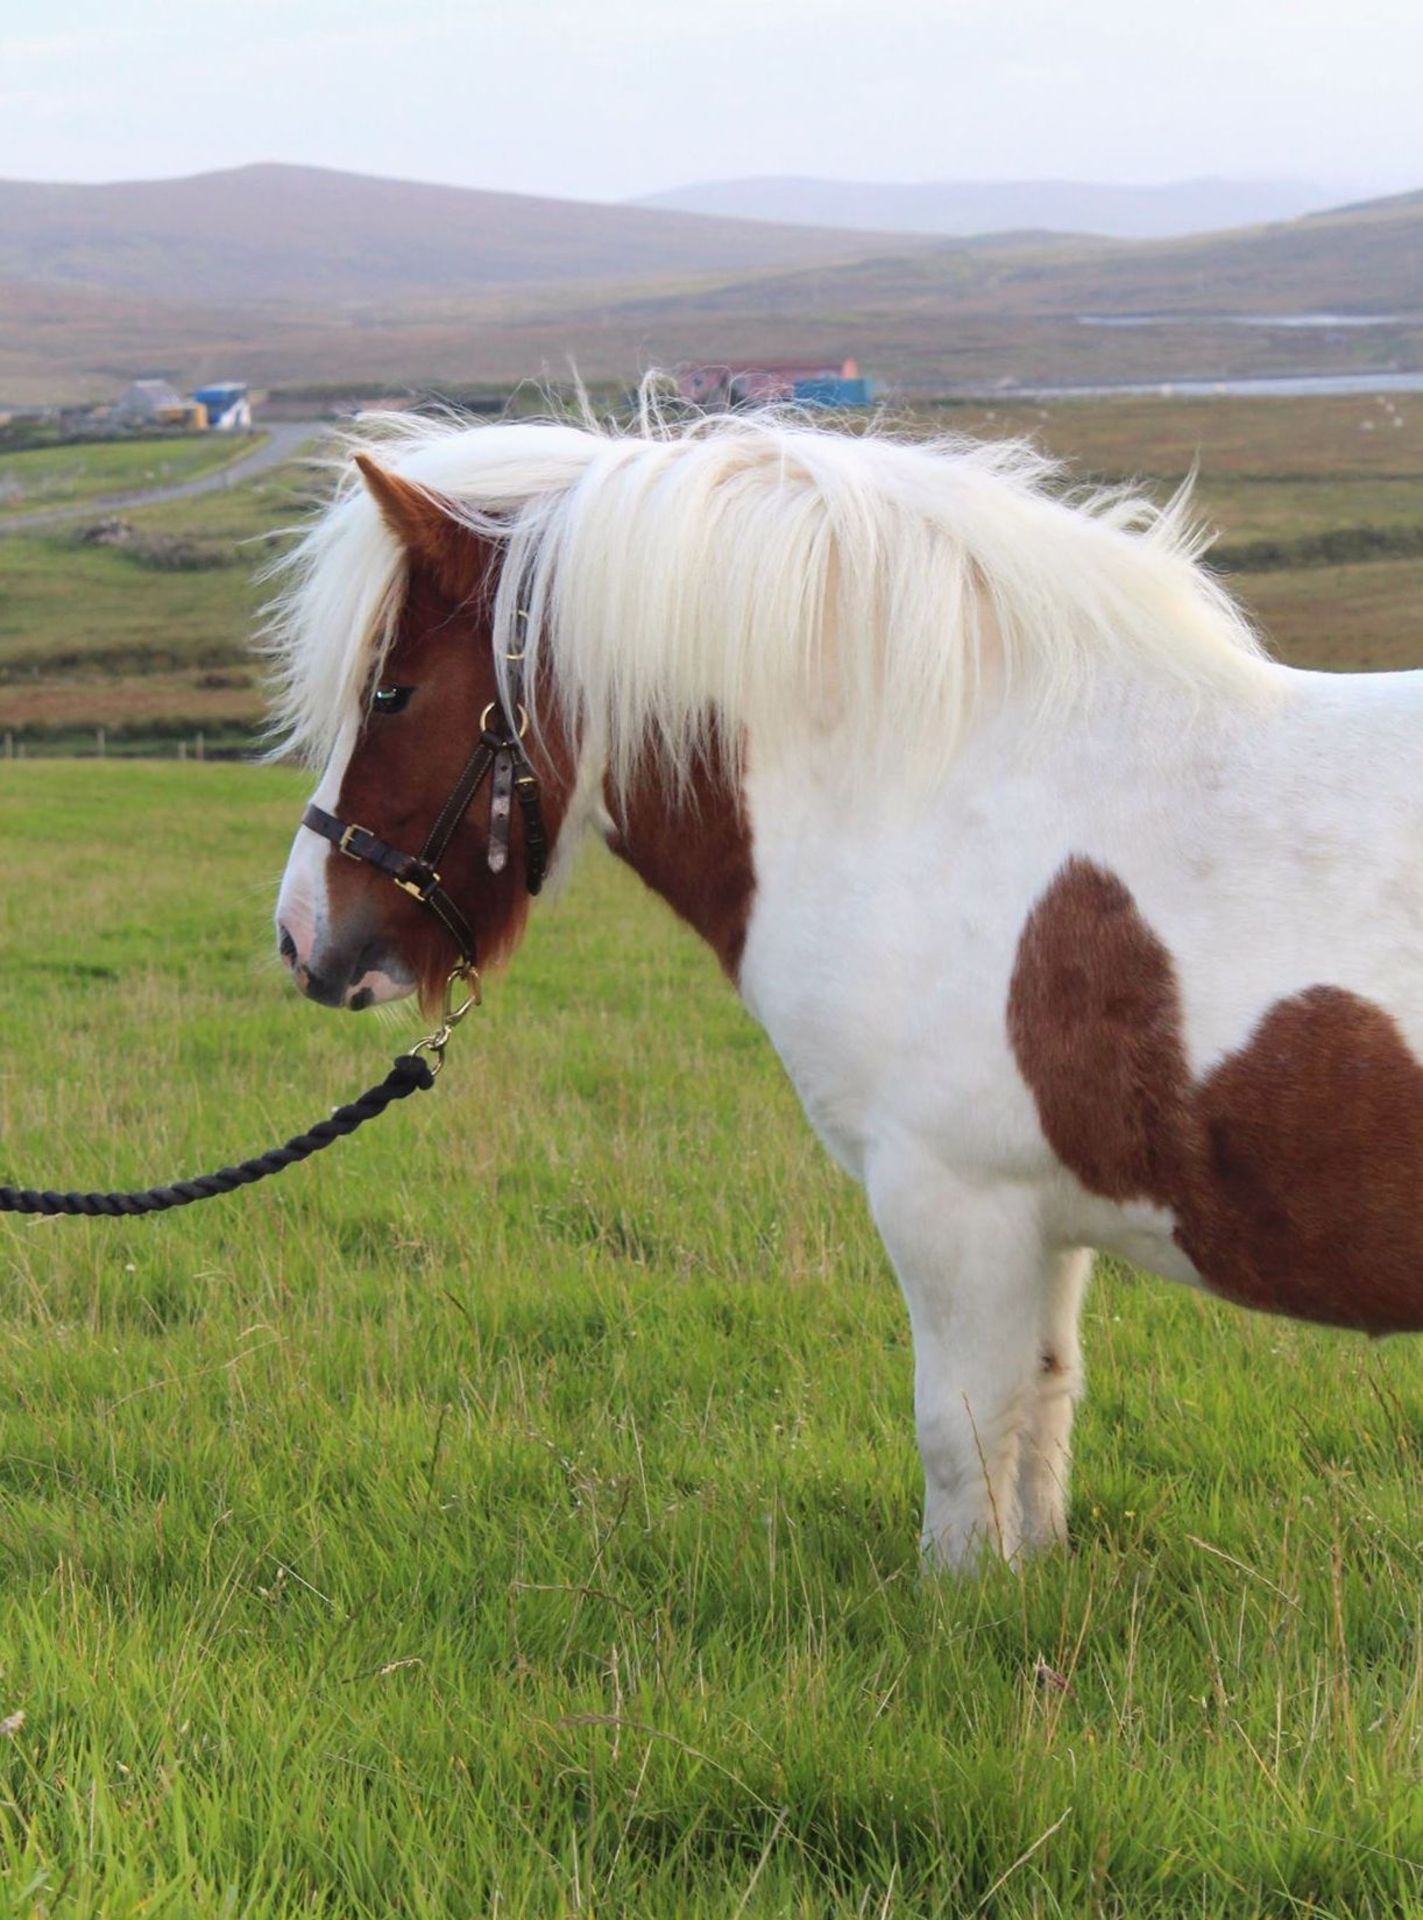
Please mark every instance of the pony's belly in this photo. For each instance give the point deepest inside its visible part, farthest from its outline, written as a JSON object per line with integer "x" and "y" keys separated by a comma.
{"x": 1141, "y": 1234}
{"x": 1335, "y": 1285}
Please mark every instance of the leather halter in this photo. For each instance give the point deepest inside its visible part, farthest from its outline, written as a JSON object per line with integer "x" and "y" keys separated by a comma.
{"x": 500, "y": 748}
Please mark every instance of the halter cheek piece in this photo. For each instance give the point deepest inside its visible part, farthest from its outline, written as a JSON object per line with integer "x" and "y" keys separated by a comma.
{"x": 500, "y": 748}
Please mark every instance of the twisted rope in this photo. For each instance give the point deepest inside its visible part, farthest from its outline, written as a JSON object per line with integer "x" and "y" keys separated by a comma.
{"x": 410, "y": 1074}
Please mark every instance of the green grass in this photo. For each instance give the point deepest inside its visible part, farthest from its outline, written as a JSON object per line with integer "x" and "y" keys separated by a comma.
{"x": 1363, "y": 616}
{"x": 1252, "y": 509}
{"x": 64, "y": 476}
{"x": 68, "y": 606}
{"x": 96, "y": 636}
{"x": 1312, "y": 437}
{"x": 515, "y": 1511}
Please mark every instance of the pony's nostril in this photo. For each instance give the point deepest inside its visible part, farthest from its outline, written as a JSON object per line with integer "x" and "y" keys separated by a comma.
{"x": 361, "y": 999}
{"x": 286, "y": 946}
{"x": 321, "y": 987}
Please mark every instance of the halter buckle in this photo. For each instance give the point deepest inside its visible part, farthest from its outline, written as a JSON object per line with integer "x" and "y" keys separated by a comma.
{"x": 343, "y": 845}
{"x": 420, "y": 890}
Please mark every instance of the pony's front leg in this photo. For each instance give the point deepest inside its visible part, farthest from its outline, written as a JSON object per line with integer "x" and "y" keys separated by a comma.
{"x": 973, "y": 1268}
{"x": 1047, "y": 1440}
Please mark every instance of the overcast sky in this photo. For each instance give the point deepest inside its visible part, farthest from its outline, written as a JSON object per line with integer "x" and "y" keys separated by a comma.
{"x": 601, "y": 99}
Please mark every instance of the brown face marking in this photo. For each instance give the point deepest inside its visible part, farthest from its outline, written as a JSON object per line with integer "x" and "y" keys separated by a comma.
{"x": 405, "y": 765}
{"x": 1293, "y": 1169}
{"x": 694, "y": 848}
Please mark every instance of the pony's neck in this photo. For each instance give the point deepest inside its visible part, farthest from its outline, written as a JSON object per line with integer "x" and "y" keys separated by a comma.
{"x": 693, "y": 846}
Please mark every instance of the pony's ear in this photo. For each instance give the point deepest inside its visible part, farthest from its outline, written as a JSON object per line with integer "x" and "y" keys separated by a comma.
{"x": 426, "y": 528}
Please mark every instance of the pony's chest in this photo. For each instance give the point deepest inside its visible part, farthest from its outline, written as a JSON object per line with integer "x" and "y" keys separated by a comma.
{"x": 826, "y": 1038}
{"x": 887, "y": 1032}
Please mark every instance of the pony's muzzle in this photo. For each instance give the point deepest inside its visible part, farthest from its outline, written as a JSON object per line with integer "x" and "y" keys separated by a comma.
{"x": 351, "y": 979}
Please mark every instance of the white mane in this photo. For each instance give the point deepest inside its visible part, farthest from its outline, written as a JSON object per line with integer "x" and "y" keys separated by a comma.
{"x": 757, "y": 568}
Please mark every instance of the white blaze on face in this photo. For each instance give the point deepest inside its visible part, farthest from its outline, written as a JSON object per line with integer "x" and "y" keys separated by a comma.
{"x": 302, "y": 904}
{"x": 315, "y": 949}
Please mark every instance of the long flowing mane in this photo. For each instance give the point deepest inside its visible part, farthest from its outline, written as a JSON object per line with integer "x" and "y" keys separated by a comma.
{"x": 764, "y": 572}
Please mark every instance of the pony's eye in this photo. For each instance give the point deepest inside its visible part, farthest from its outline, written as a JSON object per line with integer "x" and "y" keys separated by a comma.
{"x": 390, "y": 699}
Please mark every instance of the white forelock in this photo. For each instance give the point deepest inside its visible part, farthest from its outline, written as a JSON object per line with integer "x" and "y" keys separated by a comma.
{"x": 766, "y": 575}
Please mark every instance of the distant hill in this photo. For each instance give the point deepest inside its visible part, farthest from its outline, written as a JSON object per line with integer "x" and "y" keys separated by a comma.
{"x": 305, "y": 235}
{"x": 71, "y": 343}
{"x": 938, "y": 317}
{"x": 1031, "y": 313}
{"x": 1362, "y": 260}
{"x": 964, "y": 207}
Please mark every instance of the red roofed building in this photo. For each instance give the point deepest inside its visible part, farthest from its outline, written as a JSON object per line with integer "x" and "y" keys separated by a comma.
{"x": 813, "y": 382}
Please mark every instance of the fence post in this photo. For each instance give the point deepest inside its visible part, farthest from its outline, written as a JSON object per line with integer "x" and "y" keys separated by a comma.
{"x": 99, "y": 741}
{"x": 198, "y": 744}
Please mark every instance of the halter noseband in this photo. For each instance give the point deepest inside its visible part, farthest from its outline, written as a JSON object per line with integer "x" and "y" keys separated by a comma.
{"x": 501, "y": 748}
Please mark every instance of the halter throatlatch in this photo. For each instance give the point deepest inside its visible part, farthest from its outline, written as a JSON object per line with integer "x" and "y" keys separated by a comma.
{"x": 500, "y": 750}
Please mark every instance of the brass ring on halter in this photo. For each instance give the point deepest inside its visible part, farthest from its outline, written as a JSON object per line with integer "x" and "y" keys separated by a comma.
{"x": 435, "y": 1043}
{"x": 467, "y": 977}
{"x": 520, "y": 710}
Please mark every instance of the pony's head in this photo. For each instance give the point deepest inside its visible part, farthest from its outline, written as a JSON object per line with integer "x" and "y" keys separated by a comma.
{"x": 353, "y": 925}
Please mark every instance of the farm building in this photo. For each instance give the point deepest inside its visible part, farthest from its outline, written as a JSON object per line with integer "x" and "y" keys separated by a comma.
{"x": 812, "y": 383}
{"x": 154, "y": 403}
{"x": 229, "y": 409}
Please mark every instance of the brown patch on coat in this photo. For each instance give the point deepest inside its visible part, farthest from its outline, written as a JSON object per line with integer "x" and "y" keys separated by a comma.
{"x": 1094, "y": 1006}
{"x": 1314, "y": 1133}
{"x": 1293, "y": 1169}
{"x": 692, "y": 846}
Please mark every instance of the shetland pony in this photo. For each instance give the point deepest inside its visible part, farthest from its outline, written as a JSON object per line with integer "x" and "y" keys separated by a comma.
{"x": 1076, "y": 921}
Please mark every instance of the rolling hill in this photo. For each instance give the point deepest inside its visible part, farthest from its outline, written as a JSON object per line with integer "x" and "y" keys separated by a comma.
{"x": 288, "y": 235}
{"x": 963, "y": 207}
{"x": 924, "y": 316}
{"x": 1088, "y": 312}
{"x": 1363, "y": 261}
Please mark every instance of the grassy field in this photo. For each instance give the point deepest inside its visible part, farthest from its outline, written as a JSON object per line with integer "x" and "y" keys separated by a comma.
{"x": 120, "y": 637}
{"x": 1318, "y": 504}
{"x": 65, "y": 476}
{"x": 515, "y": 1512}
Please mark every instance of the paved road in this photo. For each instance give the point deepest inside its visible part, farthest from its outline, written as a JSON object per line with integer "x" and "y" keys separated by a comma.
{"x": 284, "y": 437}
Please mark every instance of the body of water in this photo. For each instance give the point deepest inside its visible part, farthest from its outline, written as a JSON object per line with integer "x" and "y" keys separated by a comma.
{"x": 1284, "y": 386}
{"x": 1298, "y": 322}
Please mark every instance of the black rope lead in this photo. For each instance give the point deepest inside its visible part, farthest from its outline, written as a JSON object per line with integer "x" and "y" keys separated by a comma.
{"x": 410, "y": 1074}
